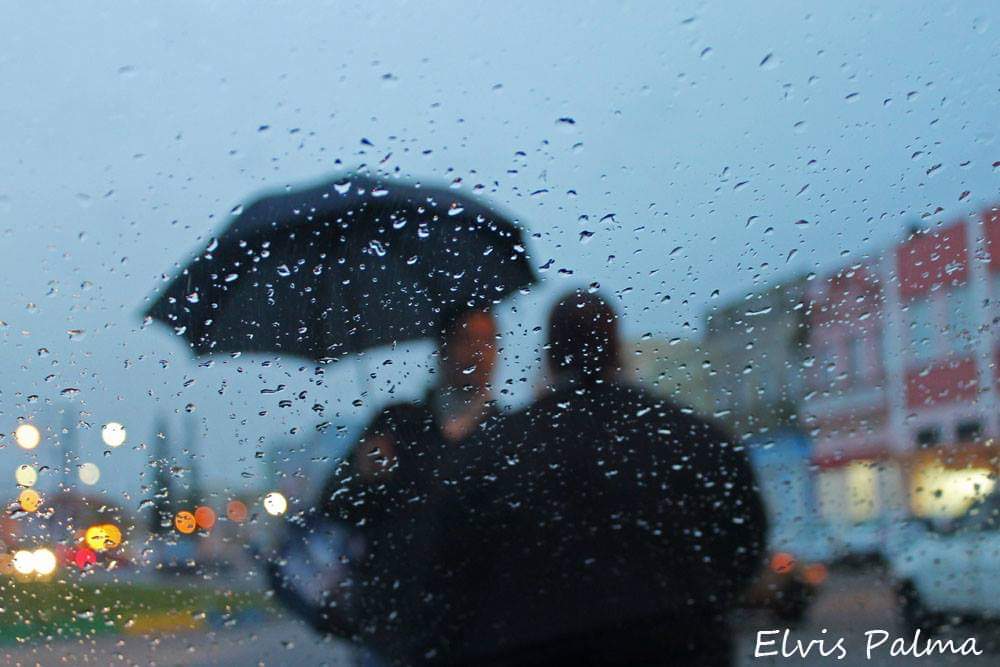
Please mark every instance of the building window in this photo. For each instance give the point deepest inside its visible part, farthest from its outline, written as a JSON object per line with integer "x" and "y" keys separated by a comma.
{"x": 928, "y": 436}
{"x": 969, "y": 431}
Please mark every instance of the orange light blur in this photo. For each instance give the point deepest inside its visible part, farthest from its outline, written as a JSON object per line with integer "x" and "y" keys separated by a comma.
{"x": 29, "y": 500}
{"x": 204, "y": 517}
{"x": 113, "y": 534}
{"x": 184, "y": 522}
{"x": 236, "y": 511}
{"x": 782, "y": 563}
{"x": 815, "y": 574}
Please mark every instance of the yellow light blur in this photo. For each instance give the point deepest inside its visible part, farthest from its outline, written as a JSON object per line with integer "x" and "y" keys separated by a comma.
{"x": 112, "y": 535}
{"x": 98, "y": 538}
{"x": 44, "y": 561}
{"x": 113, "y": 434}
{"x": 29, "y": 500}
{"x": 938, "y": 491}
{"x": 25, "y": 475}
{"x": 275, "y": 504}
{"x": 27, "y": 436}
{"x": 102, "y": 537}
{"x": 185, "y": 522}
{"x": 89, "y": 473}
{"x": 24, "y": 562}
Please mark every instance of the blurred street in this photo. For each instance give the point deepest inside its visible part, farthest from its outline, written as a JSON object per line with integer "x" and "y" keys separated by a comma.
{"x": 851, "y": 603}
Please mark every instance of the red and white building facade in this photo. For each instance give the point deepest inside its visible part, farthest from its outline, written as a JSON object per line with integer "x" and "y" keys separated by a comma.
{"x": 902, "y": 394}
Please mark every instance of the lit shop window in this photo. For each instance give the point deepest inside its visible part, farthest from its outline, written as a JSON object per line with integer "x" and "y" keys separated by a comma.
{"x": 937, "y": 491}
{"x": 862, "y": 490}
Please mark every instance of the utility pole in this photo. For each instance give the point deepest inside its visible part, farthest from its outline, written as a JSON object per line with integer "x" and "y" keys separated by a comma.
{"x": 162, "y": 516}
{"x": 70, "y": 447}
{"x": 194, "y": 491}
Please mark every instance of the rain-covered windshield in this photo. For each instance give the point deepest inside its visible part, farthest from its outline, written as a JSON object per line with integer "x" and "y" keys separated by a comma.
{"x": 437, "y": 333}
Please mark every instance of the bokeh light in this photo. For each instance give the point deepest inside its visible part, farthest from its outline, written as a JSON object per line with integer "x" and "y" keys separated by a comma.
{"x": 84, "y": 556}
{"x": 112, "y": 535}
{"x": 94, "y": 537}
{"x": 113, "y": 434}
{"x": 24, "y": 562}
{"x": 102, "y": 537}
{"x": 27, "y": 436}
{"x": 185, "y": 522}
{"x": 25, "y": 475}
{"x": 204, "y": 517}
{"x": 44, "y": 561}
{"x": 89, "y": 473}
{"x": 29, "y": 500}
{"x": 275, "y": 504}
{"x": 236, "y": 511}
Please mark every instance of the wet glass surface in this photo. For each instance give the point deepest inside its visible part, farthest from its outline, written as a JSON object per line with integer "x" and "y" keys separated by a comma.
{"x": 445, "y": 334}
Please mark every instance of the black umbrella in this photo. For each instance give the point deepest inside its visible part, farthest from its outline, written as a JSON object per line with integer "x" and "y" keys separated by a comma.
{"x": 350, "y": 264}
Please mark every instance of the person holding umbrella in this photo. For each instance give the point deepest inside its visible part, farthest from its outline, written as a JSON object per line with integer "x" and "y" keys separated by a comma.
{"x": 344, "y": 266}
{"x": 600, "y": 525}
{"x": 392, "y": 485}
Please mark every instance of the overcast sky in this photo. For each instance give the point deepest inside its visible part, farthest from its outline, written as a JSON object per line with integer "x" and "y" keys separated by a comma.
{"x": 128, "y": 133}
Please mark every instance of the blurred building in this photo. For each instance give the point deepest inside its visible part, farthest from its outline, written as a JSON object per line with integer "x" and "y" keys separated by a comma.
{"x": 848, "y": 405}
{"x": 902, "y": 388}
{"x": 756, "y": 346}
{"x": 677, "y": 369}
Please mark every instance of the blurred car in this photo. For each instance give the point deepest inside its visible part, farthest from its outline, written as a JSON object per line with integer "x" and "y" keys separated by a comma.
{"x": 901, "y": 535}
{"x": 175, "y": 556}
{"x": 860, "y": 543}
{"x": 786, "y": 587}
{"x": 950, "y": 572}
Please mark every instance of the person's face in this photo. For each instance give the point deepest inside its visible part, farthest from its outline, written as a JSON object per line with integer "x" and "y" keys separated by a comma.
{"x": 470, "y": 354}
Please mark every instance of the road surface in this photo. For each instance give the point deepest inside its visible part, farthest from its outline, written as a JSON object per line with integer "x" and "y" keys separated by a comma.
{"x": 850, "y": 604}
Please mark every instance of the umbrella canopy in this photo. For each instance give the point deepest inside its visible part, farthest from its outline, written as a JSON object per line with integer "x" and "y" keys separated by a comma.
{"x": 352, "y": 263}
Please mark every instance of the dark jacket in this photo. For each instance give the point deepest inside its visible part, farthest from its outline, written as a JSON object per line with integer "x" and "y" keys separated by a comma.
{"x": 398, "y": 516}
{"x": 598, "y": 519}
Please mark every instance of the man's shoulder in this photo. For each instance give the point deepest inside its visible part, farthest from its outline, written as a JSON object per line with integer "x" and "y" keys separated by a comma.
{"x": 668, "y": 416}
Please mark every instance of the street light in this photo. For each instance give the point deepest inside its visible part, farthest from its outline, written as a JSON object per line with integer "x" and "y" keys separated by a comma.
{"x": 275, "y": 504}
{"x": 113, "y": 434}
{"x": 27, "y": 436}
{"x": 25, "y": 475}
{"x": 89, "y": 473}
